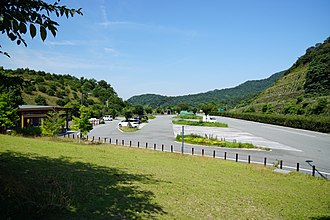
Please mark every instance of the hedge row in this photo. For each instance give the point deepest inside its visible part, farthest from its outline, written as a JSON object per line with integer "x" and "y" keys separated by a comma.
{"x": 314, "y": 123}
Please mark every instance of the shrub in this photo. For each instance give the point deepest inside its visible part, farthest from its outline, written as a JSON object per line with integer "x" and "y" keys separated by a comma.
{"x": 42, "y": 88}
{"x": 30, "y": 131}
{"x": 50, "y": 92}
{"x": 40, "y": 100}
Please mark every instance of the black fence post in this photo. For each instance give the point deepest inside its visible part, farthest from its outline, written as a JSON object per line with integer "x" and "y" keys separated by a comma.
{"x": 313, "y": 171}
{"x": 110, "y": 140}
{"x": 202, "y": 152}
{"x": 116, "y": 141}
{"x": 249, "y": 159}
{"x": 297, "y": 167}
{"x": 162, "y": 147}
{"x": 225, "y": 156}
{"x": 122, "y": 142}
{"x": 146, "y": 145}
{"x": 138, "y": 144}
{"x": 192, "y": 151}
{"x": 86, "y": 137}
{"x": 105, "y": 140}
{"x": 93, "y": 139}
{"x": 265, "y": 161}
{"x": 281, "y": 164}
{"x": 236, "y": 158}
{"x": 130, "y": 143}
{"x": 214, "y": 154}
{"x": 99, "y": 139}
{"x": 172, "y": 148}
{"x": 154, "y": 146}
{"x": 72, "y": 136}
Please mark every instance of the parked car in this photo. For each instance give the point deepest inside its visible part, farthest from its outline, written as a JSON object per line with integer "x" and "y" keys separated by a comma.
{"x": 107, "y": 118}
{"x": 209, "y": 119}
{"x": 94, "y": 121}
{"x": 134, "y": 123}
{"x": 141, "y": 118}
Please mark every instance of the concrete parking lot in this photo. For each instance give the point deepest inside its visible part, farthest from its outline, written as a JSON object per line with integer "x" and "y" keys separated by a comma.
{"x": 290, "y": 145}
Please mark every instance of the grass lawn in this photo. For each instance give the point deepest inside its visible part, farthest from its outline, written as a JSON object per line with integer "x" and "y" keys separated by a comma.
{"x": 200, "y": 123}
{"x": 41, "y": 178}
{"x": 209, "y": 141}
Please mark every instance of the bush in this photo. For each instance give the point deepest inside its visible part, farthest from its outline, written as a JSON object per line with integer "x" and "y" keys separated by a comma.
{"x": 30, "y": 131}
{"x": 40, "y": 100}
{"x": 42, "y": 88}
{"x": 60, "y": 102}
{"x": 50, "y": 92}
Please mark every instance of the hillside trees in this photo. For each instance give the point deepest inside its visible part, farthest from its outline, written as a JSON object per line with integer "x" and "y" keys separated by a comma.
{"x": 64, "y": 90}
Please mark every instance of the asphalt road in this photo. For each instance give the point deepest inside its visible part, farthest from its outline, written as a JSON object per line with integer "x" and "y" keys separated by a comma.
{"x": 290, "y": 145}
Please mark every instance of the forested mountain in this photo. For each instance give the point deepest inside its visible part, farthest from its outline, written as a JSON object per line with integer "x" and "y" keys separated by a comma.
{"x": 43, "y": 88}
{"x": 304, "y": 89}
{"x": 226, "y": 97}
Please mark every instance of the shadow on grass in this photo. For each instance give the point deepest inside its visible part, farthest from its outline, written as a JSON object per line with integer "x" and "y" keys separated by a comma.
{"x": 40, "y": 187}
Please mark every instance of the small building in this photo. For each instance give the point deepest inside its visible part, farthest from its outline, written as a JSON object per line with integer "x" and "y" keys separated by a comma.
{"x": 182, "y": 113}
{"x": 32, "y": 115}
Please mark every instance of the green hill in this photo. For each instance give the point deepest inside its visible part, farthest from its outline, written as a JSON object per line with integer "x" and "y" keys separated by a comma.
{"x": 41, "y": 88}
{"x": 304, "y": 89}
{"x": 229, "y": 97}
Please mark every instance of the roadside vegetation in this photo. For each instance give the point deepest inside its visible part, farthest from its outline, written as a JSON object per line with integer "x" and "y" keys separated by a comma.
{"x": 40, "y": 178}
{"x": 314, "y": 123}
{"x": 189, "y": 117}
{"x": 200, "y": 123}
{"x": 128, "y": 129}
{"x": 214, "y": 141}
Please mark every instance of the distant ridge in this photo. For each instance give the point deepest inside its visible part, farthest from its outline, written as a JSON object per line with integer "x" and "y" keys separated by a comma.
{"x": 229, "y": 96}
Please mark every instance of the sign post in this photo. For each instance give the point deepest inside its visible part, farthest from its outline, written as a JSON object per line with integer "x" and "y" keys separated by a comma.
{"x": 182, "y": 137}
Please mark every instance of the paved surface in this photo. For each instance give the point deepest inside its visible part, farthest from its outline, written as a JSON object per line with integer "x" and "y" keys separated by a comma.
{"x": 290, "y": 145}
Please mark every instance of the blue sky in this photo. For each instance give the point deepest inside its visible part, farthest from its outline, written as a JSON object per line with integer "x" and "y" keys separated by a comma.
{"x": 176, "y": 47}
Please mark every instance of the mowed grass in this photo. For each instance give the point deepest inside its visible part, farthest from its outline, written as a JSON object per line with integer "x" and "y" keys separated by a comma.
{"x": 55, "y": 180}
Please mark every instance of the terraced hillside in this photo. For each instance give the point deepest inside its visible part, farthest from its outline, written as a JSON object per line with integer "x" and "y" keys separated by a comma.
{"x": 304, "y": 89}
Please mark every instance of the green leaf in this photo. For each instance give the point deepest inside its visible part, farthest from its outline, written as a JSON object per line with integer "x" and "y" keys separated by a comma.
{"x": 15, "y": 25}
{"x": 43, "y": 33}
{"x": 33, "y": 30}
{"x": 22, "y": 28}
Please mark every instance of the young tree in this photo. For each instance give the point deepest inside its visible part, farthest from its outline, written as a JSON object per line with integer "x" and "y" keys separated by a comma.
{"x": 148, "y": 109}
{"x": 8, "y": 113}
{"x": 207, "y": 108}
{"x": 82, "y": 123}
{"x": 17, "y": 17}
{"x": 53, "y": 124}
{"x": 138, "y": 109}
{"x": 127, "y": 113}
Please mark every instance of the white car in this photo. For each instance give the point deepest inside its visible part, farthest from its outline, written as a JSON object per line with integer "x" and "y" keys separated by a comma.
{"x": 125, "y": 123}
{"x": 107, "y": 118}
{"x": 209, "y": 119}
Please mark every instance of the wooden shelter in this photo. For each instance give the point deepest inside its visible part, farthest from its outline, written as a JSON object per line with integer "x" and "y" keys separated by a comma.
{"x": 32, "y": 115}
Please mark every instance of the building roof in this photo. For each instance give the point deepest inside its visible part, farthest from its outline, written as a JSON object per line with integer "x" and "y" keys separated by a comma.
{"x": 40, "y": 107}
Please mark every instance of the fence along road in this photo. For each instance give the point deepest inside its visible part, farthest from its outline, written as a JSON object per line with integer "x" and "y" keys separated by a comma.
{"x": 290, "y": 145}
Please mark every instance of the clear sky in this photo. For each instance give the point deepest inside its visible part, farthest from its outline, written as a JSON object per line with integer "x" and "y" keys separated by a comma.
{"x": 176, "y": 47}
